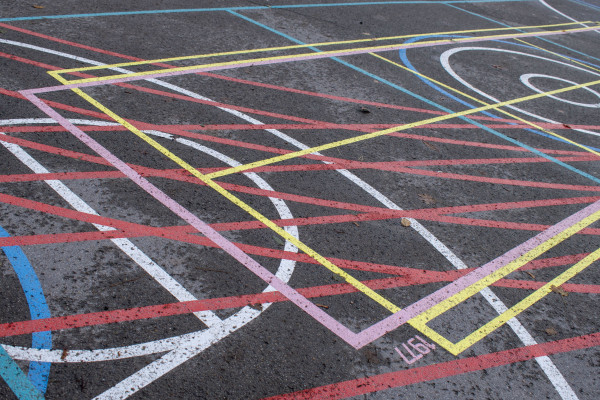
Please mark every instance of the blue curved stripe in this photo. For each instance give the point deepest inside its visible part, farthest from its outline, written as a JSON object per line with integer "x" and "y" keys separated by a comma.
{"x": 38, "y": 308}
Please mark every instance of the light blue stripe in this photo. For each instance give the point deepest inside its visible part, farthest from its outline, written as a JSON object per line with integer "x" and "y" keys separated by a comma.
{"x": 16, "y": 379}
{"x": 38, "y": 308}
{"x": 189, "y": 10}
{"x": 428, "y": 101}
{"x": 539, "y": 38}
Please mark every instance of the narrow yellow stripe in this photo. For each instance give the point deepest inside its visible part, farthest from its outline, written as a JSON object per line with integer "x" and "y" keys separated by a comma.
{"x": 458, "y": 298}
{"x": 399, "y": 128}
{"x": 287, "y": 57}
{"x": 524, "y": 304}
{"x": 321, "y": 44}
{"x": 532, "y": 124}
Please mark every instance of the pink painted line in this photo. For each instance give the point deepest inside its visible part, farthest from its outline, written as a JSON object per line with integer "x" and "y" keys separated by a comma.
{"x": 292, "y": 58}
{"x": 201, "y": 226}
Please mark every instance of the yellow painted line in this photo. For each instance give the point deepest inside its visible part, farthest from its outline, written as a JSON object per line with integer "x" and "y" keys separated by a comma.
{"x": 559, "y": 55}
{"x": 418, "y": 322}
{"x": 524, "y": 304}
{"x": 530, "y": 123}
{"x": 257, "y": 215}
{"x": 323, "y": 54}
{"x": 321, "y": 44}
{"x": 399, "y": 128}
{"x": 421, "y": 320}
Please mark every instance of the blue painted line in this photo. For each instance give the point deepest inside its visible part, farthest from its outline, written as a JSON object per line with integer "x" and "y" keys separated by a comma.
{"x": 539, "y": 38}
{"x": 16, "y": 378}
{"x": 38, "y": 308}
{"x": 427, "y": 101}
{"x": 190, "y": 10}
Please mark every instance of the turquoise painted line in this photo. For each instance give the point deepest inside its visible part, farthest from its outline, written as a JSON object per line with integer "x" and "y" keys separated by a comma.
{"x": 192, "y": 10}
{"x": 38, "y": 308}
{"x": 16, "y": 379}
{"x": 427, "y": 101}
{"x": 539, "y": 38}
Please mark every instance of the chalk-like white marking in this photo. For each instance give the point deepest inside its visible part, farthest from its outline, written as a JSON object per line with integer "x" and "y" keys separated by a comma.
{"x": 526, "y": 80}
{"x": 563, "y": 14}
{"x": 445, "y": 60}
{"x": 554, "y": 375}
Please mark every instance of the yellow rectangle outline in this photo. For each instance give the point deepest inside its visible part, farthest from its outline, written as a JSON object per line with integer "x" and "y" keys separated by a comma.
{"x": 274, "y": 58}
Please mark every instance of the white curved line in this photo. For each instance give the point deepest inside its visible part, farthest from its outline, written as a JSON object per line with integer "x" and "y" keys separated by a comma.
{"x": 526, "y": 80}
{"x": 445, "y": 60}
{"x": 563, "y": 14}
{"x": 554, "y": 375}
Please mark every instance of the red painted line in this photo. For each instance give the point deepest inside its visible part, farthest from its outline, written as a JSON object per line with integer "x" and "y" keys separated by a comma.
{"x": 54, "y": 39}
{"x": 54, "y": 150}
{"x": 380, "y": 214}
{"x": 497, "y": 181}
{"x": 60, "y": 106}
{"x": 171, "y": 309}
{"x": 304, "y": 127}
{"x": 480, "y": 144}
{"x": 81, "y": 216}
{"x": 391, "y": 165}
{"x": 12, "y": 178}
{"x": 95, "y": 159}
{"x": 502, "y": 224}
{"x": 361, "y": 386}
{"x": 554, "y": 261}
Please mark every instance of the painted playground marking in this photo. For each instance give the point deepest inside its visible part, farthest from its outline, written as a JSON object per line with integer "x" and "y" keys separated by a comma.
{"x": 568, "y": 227}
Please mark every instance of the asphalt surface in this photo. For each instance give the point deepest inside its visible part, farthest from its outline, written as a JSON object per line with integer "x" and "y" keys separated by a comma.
{"x": 436, "y": 237}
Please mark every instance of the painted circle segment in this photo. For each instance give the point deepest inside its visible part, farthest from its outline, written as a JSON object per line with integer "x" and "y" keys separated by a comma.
{"x": 526, "y": 79}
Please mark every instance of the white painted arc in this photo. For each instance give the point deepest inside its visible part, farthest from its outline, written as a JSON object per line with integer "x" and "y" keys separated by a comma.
{"x": 552, "y": 372}
{"x": 445, "y": 60}
{"x": 526, "y": 80}
{"x": 284, "y": 272}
